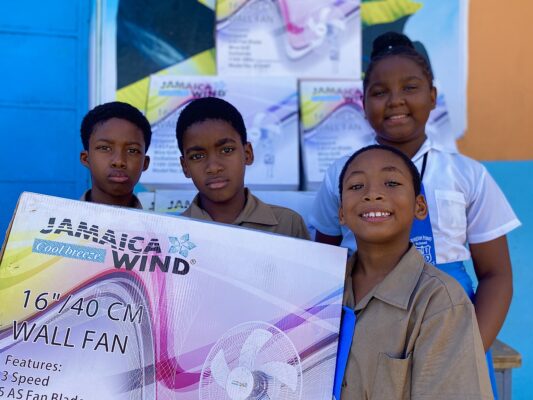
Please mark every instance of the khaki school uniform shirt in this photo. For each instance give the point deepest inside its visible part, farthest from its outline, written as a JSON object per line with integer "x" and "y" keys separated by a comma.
{"x": 416, "y": 337}
{"x": 135, "y": 202}
{"x": 260, "y": 216}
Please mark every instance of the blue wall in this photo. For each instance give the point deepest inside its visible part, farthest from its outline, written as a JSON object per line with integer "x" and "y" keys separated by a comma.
{"x": 44, "y": 70}
{"x": 516, "y": 180}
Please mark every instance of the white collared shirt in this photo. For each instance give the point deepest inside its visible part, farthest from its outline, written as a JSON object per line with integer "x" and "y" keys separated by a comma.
{"x": 465, "y": 204}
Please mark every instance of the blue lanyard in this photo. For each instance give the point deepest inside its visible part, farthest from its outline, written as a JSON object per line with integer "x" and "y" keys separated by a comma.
{"x": 421, "y": 232}
{"x": 346, "y": 333}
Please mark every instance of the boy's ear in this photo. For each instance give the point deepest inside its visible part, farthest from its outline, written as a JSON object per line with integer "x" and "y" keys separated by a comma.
{"x": 146, "y": 163}
{"x": 184, "y": 167}
{"x": 341, "y": 215}
{"x": 433, "y": 95}
{"x": 248, "y": 153}
{"x": 84, "y": 158}
{"x": 421, "y": 207}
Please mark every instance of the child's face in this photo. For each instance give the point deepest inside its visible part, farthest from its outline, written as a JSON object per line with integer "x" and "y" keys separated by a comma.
{"x": 116, "y": 157}
{"x": 378, "y": 198}
{"x": 215, "y": 158}
{"x": 398, "y": 100}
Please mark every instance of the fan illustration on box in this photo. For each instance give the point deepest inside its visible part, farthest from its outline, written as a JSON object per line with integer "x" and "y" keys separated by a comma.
{"x": 264, "y": 132}
{"x": 297, "y": 38}
{"x": 253, "y": 361}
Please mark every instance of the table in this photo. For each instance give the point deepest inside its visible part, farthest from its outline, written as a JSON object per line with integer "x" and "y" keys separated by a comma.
{"x": 505, "y": 359}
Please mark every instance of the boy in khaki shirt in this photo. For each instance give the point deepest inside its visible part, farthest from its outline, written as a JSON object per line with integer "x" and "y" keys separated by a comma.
{"x": 215, "y": 152}
{"x": 416, "y": 335}
{"x": 115, "y": 138}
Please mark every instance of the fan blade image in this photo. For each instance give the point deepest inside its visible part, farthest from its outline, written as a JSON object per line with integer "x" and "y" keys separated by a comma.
{"x": 220, "y": 369}
{"x": 283, "y": 372}
{"x": 252, "y": 361}
{"x": 274, "y": 129}
{"x": 252, "y": 346}
{"x": 258, "y": 119}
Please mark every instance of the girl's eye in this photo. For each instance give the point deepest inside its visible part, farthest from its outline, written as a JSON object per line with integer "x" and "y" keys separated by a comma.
{"x": 196, "y": 156}
{"x": 378, "y": 93}
{"x": 103, "y": 148}
{"x": 410, "y": 88}
{"x": 356, "y": 186}
{"x": 227, "y": 150}
{"x": 392, "y": 183}
{"x": 134, "y": 151}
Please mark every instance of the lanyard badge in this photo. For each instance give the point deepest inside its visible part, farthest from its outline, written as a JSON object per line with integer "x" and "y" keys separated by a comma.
{"x": 422, "y": 237}
{"x": 421, "y": 232}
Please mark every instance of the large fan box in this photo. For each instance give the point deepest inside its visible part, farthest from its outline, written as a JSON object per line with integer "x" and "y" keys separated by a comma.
{"x": 101, "y": 302}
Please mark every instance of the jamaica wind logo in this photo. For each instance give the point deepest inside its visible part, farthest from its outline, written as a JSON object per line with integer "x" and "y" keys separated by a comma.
{"x": 181, "y": 245}
{"x": 128, "y": 251}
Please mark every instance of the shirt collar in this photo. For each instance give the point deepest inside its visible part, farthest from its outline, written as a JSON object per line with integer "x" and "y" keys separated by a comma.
{"x": 397, "y": 287}
{"x": 135, "y": 202}
{"x": 254, "y": 211}
{"x": 425, "y": 148}
{"x": 196, "y": 212}
{"x": 429, "y": 144}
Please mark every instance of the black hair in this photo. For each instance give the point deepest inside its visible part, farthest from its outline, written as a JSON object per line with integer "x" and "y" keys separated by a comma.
{"x": 115, "y": 109}
{"x": 396, "y": 44}
{"x": 410, "y": 165}
{"x": 209, "y": 108}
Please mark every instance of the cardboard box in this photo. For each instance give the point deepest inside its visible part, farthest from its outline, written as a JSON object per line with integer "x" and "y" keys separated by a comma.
{"x": 270, "y": 111}
{"x": 103, "y": 302}
{"x": 332, "y": 124}
{"x": 175, "y": 202}
{"x": 299, "y": 38}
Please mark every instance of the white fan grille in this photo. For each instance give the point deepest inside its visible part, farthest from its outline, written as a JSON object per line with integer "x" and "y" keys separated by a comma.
{"x": 264, "y": 354}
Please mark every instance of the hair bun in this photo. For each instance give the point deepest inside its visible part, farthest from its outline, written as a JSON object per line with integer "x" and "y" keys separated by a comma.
{"x": 389, "y": 40}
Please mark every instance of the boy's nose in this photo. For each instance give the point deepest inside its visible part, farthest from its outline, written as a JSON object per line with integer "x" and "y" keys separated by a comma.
{"x": 372, "y": 196}
{"x": 214, "y": 167}
{"x": 118, "y": 161}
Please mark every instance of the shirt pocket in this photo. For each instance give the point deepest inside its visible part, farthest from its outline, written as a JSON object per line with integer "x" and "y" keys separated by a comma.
{"x": 451, "y": 211}
{"x": 393, "y": 378}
